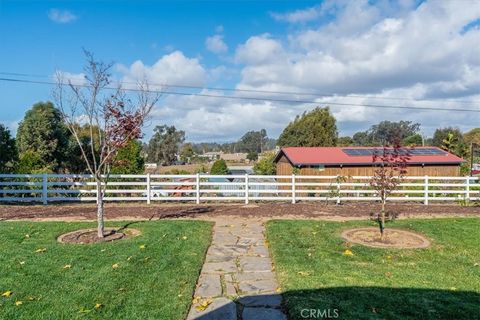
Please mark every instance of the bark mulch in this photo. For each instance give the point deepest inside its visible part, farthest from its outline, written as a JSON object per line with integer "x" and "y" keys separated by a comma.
{"x": 258, "y": 210}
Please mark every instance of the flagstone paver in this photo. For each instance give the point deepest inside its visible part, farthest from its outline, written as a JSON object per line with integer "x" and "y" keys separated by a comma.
{"x": 237, "y": 278}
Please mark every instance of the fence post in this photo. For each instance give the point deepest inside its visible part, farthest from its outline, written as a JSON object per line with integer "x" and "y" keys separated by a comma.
{"x": 197, "y": 189}
{"x": 467, "y": 193}
{"x": 425, "y": 188}
{"x": 149, "y": 189}
{"x": 246, "y": 188}
{"x": 44, "y": 189}
{"x": 293, "y": 188}
{"x": 338, "y": 189}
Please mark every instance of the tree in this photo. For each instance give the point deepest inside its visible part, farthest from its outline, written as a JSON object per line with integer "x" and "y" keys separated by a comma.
{"x": 30, "y": 162}
{"x": 43, "y": 131}
{"x": 253, "y": 141}
{"x": 472, "y": 136}
{"x": 129, "y": 159}
{"x": 187, "y": 152}
{"x": 8, "y": 151}
{"x": 451, "y": 140}
{"x": 74, "y": 162}
{"x": 316, "y": 128}
{"x": 345, "y": 142}
{"x": 386, "y": 132}
{"x": 252, "y": 156}
{"x": 266, "y": 165}
{"x": 413, "y": 140}
{"x": 164, "y": 144}
{"x": 112, "y": 115}
{"x": 389, "y": 172}
{"x": 219, "y": 167}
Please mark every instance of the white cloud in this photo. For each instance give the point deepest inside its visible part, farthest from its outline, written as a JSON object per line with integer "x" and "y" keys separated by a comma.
{"x": 61, "y": 16}
{"x": 259, "y": 50}
{"x": 298, "y": 16}
{"x": 216, "y": 44}
{"x": 171, "y": 69}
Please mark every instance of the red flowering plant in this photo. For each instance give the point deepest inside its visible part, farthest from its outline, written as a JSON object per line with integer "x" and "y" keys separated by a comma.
{"x": 390, "y": 168}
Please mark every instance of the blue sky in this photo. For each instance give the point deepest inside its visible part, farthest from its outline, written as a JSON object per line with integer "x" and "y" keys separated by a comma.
{"x": 363, "y": 52}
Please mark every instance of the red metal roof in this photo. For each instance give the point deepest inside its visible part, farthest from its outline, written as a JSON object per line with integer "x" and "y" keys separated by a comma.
{"x": 337, "y": 156}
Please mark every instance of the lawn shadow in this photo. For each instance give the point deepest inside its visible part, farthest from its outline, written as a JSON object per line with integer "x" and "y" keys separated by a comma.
{"x": 189, "y": 212}
{"x": 358, "y": 303}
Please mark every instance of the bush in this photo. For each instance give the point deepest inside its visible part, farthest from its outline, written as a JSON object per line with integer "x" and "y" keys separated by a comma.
{"x": 219, "y": 167}
{"x": 266, "y": 165}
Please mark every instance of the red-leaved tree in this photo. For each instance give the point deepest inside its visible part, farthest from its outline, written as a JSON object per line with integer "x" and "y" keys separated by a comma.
{"x": 390, "y": 168}
{"x": 112, "y": 117}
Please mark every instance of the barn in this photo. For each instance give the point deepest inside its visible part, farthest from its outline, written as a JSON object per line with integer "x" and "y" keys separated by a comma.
{"x": 358, "y": 161}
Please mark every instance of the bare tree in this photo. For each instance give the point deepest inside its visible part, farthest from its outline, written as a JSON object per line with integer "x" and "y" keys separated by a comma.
{"x": 112, "y": 117}
{"x": 391, "y": 163}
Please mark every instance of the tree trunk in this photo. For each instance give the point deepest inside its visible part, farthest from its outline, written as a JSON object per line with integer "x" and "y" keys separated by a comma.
{"x": 100, "y": 224}
{"x": 382, "y": 221}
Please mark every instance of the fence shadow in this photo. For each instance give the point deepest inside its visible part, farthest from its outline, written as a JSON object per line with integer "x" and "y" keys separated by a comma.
{"x": 359, "y": 303}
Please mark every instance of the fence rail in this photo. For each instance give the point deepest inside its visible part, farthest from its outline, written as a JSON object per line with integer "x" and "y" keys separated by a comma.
{"x": 45, "y": 188}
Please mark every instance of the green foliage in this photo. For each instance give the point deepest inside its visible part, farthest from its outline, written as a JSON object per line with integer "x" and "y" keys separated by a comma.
{"x": 451, "y": 140}
{"x": 31, "y": 162}
{"x": 8, "y": 151}
{"x": 472, "y": 136}
{"x": 43, "y": 133}
{"x": 316, "y": 128}
{"x": 129, "y": 159}
{"x": 413, "y": 140}
{"x": 386, "y": 132}
{"x": 219, "y": 167}
{"x": 75, "y": 162}
{"x": 164, "y": 144}
{"x": 187, "y": 152}
{"x": 266, "y": 165}
{"x": 252, "y": 142}
{"x": 345, "y": 142}
{"x": 252, "y": 156}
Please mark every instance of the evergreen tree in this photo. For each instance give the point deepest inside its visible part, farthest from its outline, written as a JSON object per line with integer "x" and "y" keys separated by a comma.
{"x": 316, "y": 128}
{"x": 8, "y": 150}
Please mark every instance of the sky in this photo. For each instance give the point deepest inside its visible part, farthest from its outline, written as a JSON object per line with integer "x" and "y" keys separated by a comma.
{"x": 349, "y": 55}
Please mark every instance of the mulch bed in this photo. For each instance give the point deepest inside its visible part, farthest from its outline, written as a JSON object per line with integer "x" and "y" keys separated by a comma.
{"x": 394, "y": 238}
{"x": 87, "y": 236}
{"x": 259, "y": 210}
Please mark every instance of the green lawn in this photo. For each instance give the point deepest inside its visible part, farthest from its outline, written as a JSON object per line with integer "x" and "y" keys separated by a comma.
{"x": 154, "y": 282}
{"x": 441, "y": 282}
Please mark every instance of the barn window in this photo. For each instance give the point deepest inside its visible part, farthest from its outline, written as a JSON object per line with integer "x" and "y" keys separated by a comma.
{"x": 320, "y": 167}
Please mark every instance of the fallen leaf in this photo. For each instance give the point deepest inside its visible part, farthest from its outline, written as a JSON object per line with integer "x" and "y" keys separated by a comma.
{"x": 83, "y": 310}
{"x": 115, "y": 266}
{"x": 388, "y": 274}
{"x": 67, "y": 266}
{"x": 41, "y": 250}
{"x": 7, "y": 294}
{"x": 27, "y": 236}
{"x": 348, "y": 253}
{"x": 184, "y": 238}
{"x": 129, "y": 258}
{"x": 142, "y": 246}
{"x": 22, "y": 263}
{"x": 195, "y": 300}
{"x": 204, "y": 305}
{"x": 18, "y": 303}
{"x": 278, "y": 290}
{"x": 453, "y": 289}
{"x": 98, "y": 305}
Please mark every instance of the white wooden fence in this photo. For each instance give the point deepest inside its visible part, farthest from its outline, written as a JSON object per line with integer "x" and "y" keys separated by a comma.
{"x": 45, "y": 188}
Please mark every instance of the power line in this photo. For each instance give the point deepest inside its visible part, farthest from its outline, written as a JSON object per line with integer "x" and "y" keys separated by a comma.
{"x": 310, "y": 94}
{"x": 254, "y": 98}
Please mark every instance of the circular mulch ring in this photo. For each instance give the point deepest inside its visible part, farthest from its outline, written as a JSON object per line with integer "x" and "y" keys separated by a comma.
{"x": 87, "y": 236}
{"x": 394, "y": 238}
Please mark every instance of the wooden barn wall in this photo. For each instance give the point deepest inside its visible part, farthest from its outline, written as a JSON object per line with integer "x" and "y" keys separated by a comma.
{"x": 285, "y": 168}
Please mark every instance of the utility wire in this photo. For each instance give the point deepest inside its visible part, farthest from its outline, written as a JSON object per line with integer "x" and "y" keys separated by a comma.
{"x": 252, "y": 98}
{"x": 310, "y": 94}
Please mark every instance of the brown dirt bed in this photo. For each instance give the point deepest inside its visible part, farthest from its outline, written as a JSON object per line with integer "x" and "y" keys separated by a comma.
{"x": 394, "y": 238}
{"x": 86, "y": 236}
{"x": 134, "y": 211}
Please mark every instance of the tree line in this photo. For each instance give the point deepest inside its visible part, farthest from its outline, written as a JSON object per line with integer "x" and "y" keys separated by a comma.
{"x": 43, "y": 142}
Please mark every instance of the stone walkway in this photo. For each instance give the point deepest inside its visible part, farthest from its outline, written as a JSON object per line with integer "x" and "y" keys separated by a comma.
{"x": 237, "y": 281}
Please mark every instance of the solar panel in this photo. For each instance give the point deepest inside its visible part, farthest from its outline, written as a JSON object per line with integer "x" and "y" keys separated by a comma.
{"x": 403, "y": 151}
